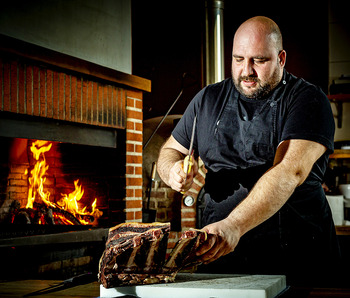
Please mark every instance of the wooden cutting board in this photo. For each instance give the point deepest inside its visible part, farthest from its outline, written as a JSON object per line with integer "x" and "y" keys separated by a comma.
{"x": 199, "y": 285}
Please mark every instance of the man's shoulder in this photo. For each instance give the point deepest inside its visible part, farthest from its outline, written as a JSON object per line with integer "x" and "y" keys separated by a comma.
{"x": 301, "y": 89}
{"x": 218, "y": 89}
{"x": 211, "y": 98}
{"x": 301, "y": 85}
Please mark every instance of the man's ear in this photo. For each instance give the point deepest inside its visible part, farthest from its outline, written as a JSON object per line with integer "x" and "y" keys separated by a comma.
{"x": 282, "y": 56}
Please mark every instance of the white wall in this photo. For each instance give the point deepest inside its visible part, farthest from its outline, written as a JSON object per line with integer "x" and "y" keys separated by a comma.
{"x": 96, "y": 31}
{"x": 339, "y": 56}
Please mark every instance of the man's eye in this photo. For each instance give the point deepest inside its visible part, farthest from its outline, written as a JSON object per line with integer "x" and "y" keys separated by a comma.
{"x": 259, "y": 61}
{"x": 238, "y": 60}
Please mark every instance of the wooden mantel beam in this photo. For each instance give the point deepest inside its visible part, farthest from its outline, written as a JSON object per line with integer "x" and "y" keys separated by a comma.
{"x": 17, "y": 47}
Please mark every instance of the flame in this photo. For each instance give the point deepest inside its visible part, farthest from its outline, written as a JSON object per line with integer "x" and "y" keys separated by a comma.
{"x": 68, "y": 202}
{"x": 37, "y": 179}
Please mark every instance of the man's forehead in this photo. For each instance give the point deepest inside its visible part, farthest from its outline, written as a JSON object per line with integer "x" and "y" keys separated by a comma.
{"x": 253, "y": 45}
{"x": 251, "y": 50}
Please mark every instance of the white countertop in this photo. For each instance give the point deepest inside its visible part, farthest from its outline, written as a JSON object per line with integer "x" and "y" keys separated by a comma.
{"x": 206, "y": 286}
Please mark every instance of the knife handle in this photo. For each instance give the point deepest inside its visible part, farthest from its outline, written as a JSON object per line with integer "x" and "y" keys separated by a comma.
{"x": 187, "y": 165}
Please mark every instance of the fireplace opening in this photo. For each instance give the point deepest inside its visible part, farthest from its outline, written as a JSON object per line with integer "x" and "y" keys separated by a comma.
{"x": 54, "y": 183}
{"x": 45, "y": 206}
{"x": 41, "y": 183}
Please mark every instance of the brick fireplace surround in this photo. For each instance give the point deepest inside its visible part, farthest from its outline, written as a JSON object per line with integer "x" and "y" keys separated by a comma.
{"x": 36, "y": 82}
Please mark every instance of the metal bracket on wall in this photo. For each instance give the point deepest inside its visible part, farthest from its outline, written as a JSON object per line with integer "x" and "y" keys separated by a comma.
{"x": 339, "y": 107}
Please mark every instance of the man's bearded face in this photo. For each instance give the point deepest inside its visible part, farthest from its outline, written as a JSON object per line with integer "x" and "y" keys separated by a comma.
{"x": 255, "y": 88}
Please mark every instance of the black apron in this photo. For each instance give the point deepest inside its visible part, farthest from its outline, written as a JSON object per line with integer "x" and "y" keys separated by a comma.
{"x": 249, "y": 145}
{"x": 289, "y": 238}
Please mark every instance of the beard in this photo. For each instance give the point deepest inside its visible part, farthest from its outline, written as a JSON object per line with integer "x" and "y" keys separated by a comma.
{"x": 261, "y": 90}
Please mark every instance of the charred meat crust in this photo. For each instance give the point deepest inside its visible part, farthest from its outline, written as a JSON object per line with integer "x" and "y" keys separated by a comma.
{"x": 135, "y": 254}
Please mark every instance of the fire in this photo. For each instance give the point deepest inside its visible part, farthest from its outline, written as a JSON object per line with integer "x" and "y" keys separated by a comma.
{"x": 37, "y": 179}
{"x": 69, "y": 203}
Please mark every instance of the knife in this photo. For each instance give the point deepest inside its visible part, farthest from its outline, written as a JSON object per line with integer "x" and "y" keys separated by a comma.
{"x": 68, "y": 283}
{"x": 187, "y": 164}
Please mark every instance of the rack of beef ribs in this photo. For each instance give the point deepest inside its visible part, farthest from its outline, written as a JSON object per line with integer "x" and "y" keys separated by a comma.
{"x": 135, "y": 254}
{"x": 183, "y": 254}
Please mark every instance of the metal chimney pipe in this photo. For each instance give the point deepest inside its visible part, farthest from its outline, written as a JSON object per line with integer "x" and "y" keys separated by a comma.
{"x": 214, "y": 41}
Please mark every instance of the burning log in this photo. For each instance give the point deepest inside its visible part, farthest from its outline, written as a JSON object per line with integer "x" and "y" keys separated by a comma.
{"x": 42, "y": 214}
{"x": 63, "y": 217}
{"x": 22, "y": 218}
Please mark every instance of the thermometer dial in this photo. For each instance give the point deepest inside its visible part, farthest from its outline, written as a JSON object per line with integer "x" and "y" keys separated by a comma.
{"x": 188, "y": 201}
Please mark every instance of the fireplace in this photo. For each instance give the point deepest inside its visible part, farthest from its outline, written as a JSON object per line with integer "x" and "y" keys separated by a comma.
{"x": 91, "y": 117}
{"x": 55, "y": 183}
{"x": 32, "y": 235}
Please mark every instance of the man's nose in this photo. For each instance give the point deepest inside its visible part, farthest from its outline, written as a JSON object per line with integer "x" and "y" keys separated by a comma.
{"x": 247, "y": 68}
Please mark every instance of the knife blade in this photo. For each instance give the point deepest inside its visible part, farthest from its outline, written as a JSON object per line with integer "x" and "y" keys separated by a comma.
{"x": 190, "y": 150}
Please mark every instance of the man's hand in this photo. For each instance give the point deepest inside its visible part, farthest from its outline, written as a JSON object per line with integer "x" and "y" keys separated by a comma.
{"x": 177, "y": 177}
{"x": 223, "y": 237}
{"x": 170, "y": 166}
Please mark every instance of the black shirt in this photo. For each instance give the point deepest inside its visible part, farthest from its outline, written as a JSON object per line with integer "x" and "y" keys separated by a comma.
{"x": 237, "y": 139}
{"x": 303, "y": 112}
{"x": 236, "y": 158}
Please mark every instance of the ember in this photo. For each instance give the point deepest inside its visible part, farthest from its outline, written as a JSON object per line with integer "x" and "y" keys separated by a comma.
{"x": 40, "y": 209}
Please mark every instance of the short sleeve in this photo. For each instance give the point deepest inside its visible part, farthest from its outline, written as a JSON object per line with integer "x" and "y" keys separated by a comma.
{"x": 183, "y": 130}
{"x": 309, "y": 116}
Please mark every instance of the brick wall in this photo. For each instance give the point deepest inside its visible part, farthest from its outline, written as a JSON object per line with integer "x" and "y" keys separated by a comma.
{"x": 35, "y": 90}
{"x": 134, "y": 129}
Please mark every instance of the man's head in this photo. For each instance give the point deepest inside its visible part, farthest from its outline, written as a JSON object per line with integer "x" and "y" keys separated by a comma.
{"x": 258, "y": 57}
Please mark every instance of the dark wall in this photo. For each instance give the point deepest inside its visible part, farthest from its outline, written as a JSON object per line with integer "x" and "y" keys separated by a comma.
{"x": 166, "y": 43}
{"x": 167, "y": 39}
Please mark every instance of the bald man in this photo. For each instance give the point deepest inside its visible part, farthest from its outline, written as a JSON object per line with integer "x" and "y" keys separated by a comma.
{"x": 264, "y": 136}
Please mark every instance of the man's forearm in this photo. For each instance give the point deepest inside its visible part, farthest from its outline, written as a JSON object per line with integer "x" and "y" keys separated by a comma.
{"x": 269, "y": 194}
{"x": 293, "y": 163}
